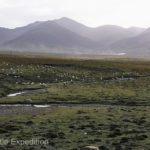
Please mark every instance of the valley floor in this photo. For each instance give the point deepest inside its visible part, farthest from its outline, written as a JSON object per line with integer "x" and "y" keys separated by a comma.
{"x": 69, "y": 128}
{"x": 112, "y": 95}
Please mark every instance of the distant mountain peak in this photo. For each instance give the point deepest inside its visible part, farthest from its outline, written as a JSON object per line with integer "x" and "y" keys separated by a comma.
{"x": 65, "y": 18}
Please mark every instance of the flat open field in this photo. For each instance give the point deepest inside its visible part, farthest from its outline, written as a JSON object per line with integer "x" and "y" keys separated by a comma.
{"x": 103, "y": 81}
{"x": 121, "y": 83}
{"x": 122, "y": 128}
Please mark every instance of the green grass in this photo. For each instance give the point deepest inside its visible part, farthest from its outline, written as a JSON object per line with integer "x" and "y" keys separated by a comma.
{"x": 75, "y": 80}
{"x": 71, "y": 128}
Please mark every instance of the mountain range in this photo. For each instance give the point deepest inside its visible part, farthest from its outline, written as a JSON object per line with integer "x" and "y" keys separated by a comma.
{"x": 66, "y": 36}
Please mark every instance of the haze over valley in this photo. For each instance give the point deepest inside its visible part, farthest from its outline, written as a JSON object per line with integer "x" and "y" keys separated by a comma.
{"x": 66, "y": 36}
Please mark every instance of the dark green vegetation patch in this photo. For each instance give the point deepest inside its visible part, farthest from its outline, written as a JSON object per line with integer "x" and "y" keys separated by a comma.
{"x": 123, "y": 128}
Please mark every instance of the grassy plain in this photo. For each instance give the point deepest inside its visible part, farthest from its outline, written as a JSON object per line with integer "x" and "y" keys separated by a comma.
{"x": 110, "y": 81}
{"x": 104, "y": 81}
{"x": 123, "y": 128}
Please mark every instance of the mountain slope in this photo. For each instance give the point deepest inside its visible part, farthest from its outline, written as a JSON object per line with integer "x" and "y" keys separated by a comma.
{"x": 135, "y": 45}
{"x": 5, "y": 34}
{"x": 109, "y": 34}
{"x": 9, "y": 34}
{"x": 50, "y": 36}
{"x": 105, "y": 35}
{"x": 68, "y": 36}
{"x": 74, "y": 26}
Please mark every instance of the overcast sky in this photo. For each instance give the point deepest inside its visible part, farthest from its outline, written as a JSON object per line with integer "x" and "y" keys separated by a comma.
{"x": 93, "y": 13}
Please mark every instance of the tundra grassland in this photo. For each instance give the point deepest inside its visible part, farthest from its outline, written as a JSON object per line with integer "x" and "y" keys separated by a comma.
{"x": 120, "y": 82}
{"x": 103, "y": 81}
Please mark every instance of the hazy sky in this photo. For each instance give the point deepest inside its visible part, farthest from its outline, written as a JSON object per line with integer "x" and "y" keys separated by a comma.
{"x": 90, "y": 12}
